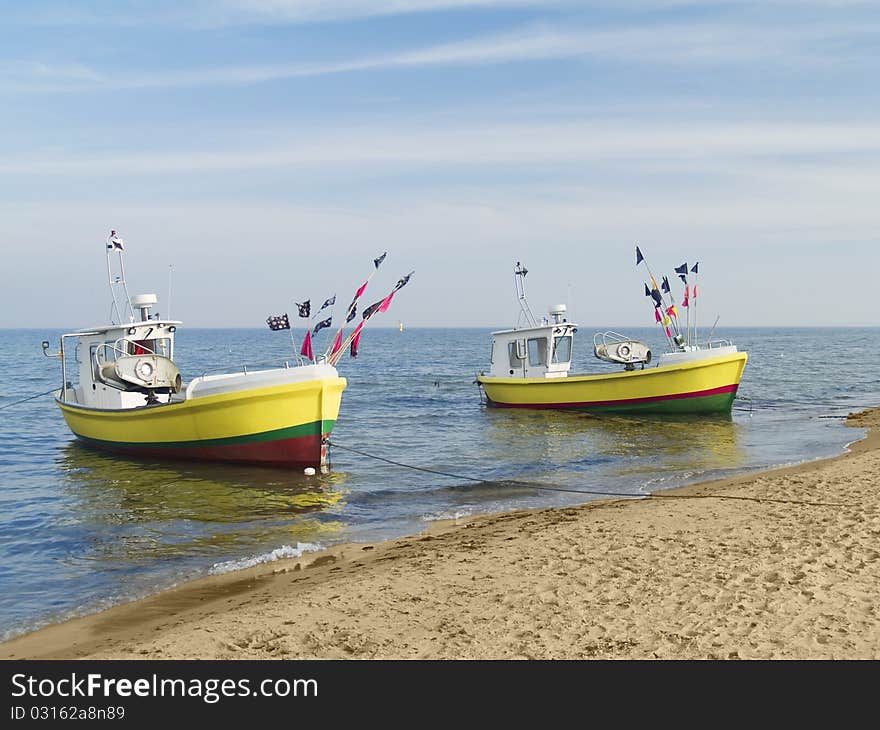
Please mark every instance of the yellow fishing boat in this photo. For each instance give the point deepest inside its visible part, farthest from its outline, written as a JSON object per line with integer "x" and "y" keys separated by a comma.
{"x": 126, "y": 394}
{"x": 530, "y": 369}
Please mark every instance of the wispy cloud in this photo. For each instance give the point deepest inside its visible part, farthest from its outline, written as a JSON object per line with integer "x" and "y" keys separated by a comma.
{"x": 203, "y": 14}
{"x": 679, "y": 43}
{"x": 654, "y": 145}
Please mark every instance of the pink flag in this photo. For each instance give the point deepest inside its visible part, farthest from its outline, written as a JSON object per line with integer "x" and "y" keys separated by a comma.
{"x": 361, "y": 290}
{"x": 686, "y": 296}
{"x": 307, "y": 346}
{"x": 356, "y": 339}
{"x": 337, "y": 343}
{"x": 657, "y": 315}
{"x": 383, "y": 307}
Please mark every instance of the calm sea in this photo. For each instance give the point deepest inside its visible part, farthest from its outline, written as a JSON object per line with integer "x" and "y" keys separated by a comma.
{"x": 80, "y": 531}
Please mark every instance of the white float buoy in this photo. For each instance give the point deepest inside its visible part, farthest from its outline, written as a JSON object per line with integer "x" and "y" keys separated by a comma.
{"x": 309, "y": 471}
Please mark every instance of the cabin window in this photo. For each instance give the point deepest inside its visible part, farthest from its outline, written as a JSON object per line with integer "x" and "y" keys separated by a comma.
{"x": 562, "y": 349}
{"x": 538, "y": 351}
{"x": 513, "y": 354}
{"x": 93, "y": 351}
{"x": 161, "y": 346}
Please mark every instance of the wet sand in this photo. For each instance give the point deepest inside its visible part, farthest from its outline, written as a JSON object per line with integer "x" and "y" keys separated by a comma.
{"x": 782, "y": 564}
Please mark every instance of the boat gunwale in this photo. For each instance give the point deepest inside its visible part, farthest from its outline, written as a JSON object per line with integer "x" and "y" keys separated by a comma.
{"x": 591, "y": 377}
{"x": 202, "y": 401}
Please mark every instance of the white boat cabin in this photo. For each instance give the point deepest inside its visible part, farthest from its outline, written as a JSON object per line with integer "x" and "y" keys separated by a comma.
{"x": 541, "y": 351}
{"x": 121, "y": 366}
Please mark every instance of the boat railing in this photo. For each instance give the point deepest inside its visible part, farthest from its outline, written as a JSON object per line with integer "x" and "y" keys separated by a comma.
{"x": 120, "y": 348}
{"x": 246, "y": 368}
{"x": 609, "y": 337}
{"x": 718, "y": 342}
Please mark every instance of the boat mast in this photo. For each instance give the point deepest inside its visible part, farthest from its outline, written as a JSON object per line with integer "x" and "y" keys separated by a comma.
{"x": 116, "y": 281}
{"x": 519, "y": 275}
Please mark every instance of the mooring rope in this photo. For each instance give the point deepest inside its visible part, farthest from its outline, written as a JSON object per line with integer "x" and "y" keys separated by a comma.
{"x": 24, "y": 400}
{"x": 551, "y": 488}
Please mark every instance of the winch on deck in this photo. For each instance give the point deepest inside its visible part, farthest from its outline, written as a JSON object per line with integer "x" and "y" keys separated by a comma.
{"x": 615, "y": 347}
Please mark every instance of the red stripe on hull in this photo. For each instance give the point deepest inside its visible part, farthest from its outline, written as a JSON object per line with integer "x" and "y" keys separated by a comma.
{"x": 301, "y": 451}
{"x": 624, "y": 401}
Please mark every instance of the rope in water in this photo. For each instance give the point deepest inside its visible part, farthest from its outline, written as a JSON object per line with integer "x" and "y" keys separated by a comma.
{"x": 551, "y": 488}
{"x": 24, "y": 400}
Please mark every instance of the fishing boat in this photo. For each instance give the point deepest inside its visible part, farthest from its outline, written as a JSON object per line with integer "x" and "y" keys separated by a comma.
{"x": 126, "y": 394}
{"x": 530, "y": 366}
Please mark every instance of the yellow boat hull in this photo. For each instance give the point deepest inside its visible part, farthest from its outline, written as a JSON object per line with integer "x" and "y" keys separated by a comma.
{"x": 702, "y": 386}
{"x": 284, "y": 424}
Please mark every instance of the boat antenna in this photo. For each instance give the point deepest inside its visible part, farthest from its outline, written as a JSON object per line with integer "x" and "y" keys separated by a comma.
{"x": 170, "y": 269}
{"x": 712, "y": 331}
{"x": 695, "y": 270}
{"x": 116, "y": 280}
{"x": 519, "y": 275}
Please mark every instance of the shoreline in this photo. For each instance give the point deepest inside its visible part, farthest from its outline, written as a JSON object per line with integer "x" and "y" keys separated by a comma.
{"x": 778, "y": 563}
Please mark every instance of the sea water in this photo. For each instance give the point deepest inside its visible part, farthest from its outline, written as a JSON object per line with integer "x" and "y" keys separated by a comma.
{"x": 80, "y": 530}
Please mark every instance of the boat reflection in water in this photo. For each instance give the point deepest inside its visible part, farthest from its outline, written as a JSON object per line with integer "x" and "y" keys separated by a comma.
{"x": 138, "y": 511}
{"x": 629, "y": 455}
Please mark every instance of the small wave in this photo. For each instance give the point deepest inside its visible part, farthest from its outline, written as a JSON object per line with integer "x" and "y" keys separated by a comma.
{"x": 285, "y": 551}
{"x": 438, "y": 516}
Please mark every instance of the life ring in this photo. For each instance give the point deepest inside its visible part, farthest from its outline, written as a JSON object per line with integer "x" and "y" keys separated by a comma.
{"x": 144, "y": 370}
{"x": 623, "y": 350}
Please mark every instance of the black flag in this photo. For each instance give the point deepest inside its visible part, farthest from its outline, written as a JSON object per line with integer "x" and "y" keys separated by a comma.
{"x": 352, "y": 311}
{"x": 328, "y": 302}
{"x": 683, "y": 269}
{"x": 647, "y": 291}
{"x": 639, "y": 257}
{"x": 695, "y": 269}
{"x": 305, "y": 309}
{"x": 114, "y": 242}
{"x": 402, "y": 282}
{"x": 658, "y": 300}
{"x": 322, "y": 324}
{"x": 665, "y": 285}
{"x": 368, "y": 312}
{"x": 279, "y": 322}
{"x": 379, "y": 260}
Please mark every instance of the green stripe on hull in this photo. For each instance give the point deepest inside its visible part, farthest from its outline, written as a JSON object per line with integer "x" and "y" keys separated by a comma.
{"x": 716, "y": 403}
{"x": 316, "y": 428}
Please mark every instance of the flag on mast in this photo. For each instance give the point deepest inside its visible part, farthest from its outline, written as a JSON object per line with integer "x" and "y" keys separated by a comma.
{"x": 351, "y": 312}
{"x": 307, "y": 346}
{"x": 639, "y": 257}
{"x": 278, "y": 322}
{"x": 337, "y": 343}
{"x": 305, "y": 309}
{"x": 380, "y": 306}
{"x": 114, "y": 242}
{"x": 356, "y": 338}
{"x": 322, "y": 324}
{"x": 328, "y": 302}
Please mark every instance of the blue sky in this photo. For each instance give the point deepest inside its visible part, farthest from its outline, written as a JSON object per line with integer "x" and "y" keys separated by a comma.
{"x": 269, "y": 149}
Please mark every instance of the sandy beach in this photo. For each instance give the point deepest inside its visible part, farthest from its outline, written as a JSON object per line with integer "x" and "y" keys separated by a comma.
{"x": 781, "y": 564}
